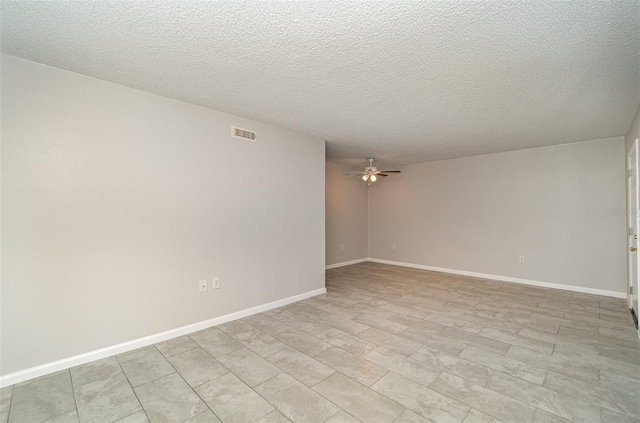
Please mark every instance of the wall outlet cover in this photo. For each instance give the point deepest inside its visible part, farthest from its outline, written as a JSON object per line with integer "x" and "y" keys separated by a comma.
{"x": 202, "y": 286}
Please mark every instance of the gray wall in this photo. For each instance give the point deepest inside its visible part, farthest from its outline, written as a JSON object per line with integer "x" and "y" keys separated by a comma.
{"x": 115, "y": 202}
{"x": 346, "y": 204}
{"x": 481, "y": 213}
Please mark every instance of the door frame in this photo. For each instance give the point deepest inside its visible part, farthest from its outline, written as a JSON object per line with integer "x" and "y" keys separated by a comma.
{"x": 633, "y": 206}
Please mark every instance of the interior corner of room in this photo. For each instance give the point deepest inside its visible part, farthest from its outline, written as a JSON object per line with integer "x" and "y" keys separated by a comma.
{"x": 557, "y": 216}
{"x": 549, "y": 216}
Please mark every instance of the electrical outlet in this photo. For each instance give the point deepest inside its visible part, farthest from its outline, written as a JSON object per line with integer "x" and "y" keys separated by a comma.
{"x": 393, "y": 246}
{"x": 215, "y": 283}
{"x": 521, "y": 259}
{"x": 202, "y": 286}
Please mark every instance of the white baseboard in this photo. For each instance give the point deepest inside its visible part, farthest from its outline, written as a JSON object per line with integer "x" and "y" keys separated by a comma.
{"x": 573, "y": 288}
{"x": 345, "y": 263}
{"x": 44, "y": 369}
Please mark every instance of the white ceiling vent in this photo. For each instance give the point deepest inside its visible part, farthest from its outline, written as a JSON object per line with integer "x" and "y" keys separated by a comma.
{"x": 244, "y": 134}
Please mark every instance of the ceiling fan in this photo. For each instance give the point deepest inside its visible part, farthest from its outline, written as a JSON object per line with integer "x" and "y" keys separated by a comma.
{"x": 371, "y": 173}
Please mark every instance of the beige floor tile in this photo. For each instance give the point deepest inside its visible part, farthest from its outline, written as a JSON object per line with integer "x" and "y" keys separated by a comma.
{"x": 145, "y": 366}
{"x": 503, "y": 364}
{"x": 139, "y": 417}
{"x": 108, "y": 400}
{"x": 39, "y": 378}
{"x": 302, "y": 367}
{"x": 454, "y": 322}
{"x": 249, "y": 366}
{"x": 295, "y": 400}
{"x": 465, "y": 369}
{"x": 390, "y": 341}
{"x": 357, "y": 368}
{"x": 5, "y": 399}
{"x": 206, "y": 417}
{"x": 94, "y": 371}
{"x": 409, "y": 416}
{"x": 232, "y": 400}
{"x": 482, "y": 399}
{"x": 521, "y": 341}
{"x": 169, "y": 399}
{"x": 475, "y": 416}
{"x": 235, "y": 327}
{"x": 266, "y": 324}
{"x": 176, "y": 346}
{"x": 434, "y": 341}
{"x": 627, "y": 404}
{"x": 70, "y": 417}
{"x": 546, "y": 417}
{"x": 42, "y": 400}
{"x": 274, "y": 417}
{"x": 554, "y": 402}
{"x": 469, "y": 339}
{"x": 343, "y": 417}
{"x": 353, "y": 344}
{"x": 259, "y": 342}
{"x": 197, "y": 366}
{"x": 608, "y": 416}
{"x": 359, "y": 401}
{"x": 303, "y": 342}
{"x": 410, "y": 368}
{"x": 216, "y": 342}
{"x": 574, "y": 368}
{"x": 421, "y": 400}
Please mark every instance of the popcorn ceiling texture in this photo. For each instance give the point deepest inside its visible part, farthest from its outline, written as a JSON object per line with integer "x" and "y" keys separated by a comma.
{"x": 404, "y": 82}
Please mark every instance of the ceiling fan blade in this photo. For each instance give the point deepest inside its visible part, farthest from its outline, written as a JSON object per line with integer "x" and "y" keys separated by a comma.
{"x": 381, "y": 174}
{"x": 390, "y": 171}
{"x": 353, "y": 173}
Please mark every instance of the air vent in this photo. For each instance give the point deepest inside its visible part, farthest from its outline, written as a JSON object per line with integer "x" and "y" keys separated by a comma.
{"x": 244, "y": 134}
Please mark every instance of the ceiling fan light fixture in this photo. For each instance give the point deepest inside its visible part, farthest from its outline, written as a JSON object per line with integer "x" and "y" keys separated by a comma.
{"x": 371, "y": 173}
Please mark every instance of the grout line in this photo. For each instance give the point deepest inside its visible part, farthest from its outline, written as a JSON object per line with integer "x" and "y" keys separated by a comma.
{"x": 132, "y": 388}
{"x": 299, "y": 381}
{"x": 13, "y": 388}
{"x": 268, "y": 402}
{"x": 367, "y": 387}
{"x": 387, "y": 372}
{"x": 73, "y": 392}
{"x": 135, "y": 412}
{"x": 215, "y": 378}
{"x": 187, "y": 383}
{"x": 434, "y": 381}
{"x": 181, "y": 352}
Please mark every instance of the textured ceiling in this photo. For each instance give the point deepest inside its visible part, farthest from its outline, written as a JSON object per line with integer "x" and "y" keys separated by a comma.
{"x": 403, "y": 82}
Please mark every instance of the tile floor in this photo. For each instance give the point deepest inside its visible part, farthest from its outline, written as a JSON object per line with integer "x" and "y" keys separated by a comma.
{"x": 385, "y": 344}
